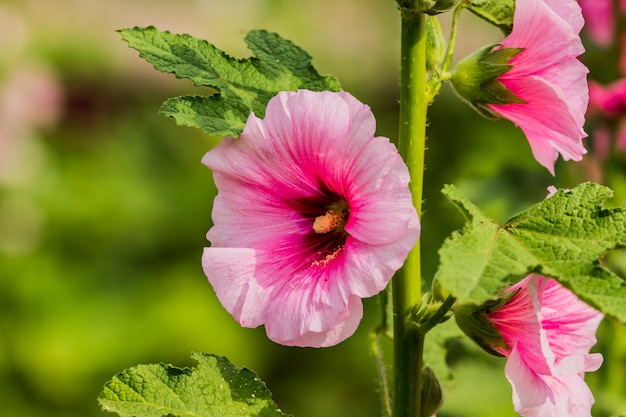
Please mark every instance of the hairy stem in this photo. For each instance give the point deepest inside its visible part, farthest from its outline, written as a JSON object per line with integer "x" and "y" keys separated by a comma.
{"x": 408, "y": 342}
{"x": 381, "y": 371}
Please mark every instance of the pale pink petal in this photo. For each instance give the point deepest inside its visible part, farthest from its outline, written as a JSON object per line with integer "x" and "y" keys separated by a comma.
{"x": 231, "y": 273}
{"x": 529, "y": 391}
{"x": 307, "y": 302}
{"x": 334, "y": 336}
{"x": 570, "y": 11}
{"x": 544, "y": 395}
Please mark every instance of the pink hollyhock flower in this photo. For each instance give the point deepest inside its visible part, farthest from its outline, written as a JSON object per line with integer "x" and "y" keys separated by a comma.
{"x": 599, "y": 20}
{"x": 549, "y": 79}
{"x": 549, "y": 333}
{"x": 313, "y": 213}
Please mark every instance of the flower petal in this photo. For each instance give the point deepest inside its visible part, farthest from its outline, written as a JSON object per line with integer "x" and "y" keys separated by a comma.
{"x": 519, "y": 322}
{"x": 534, "y": 22}
{"x": 571, "y": 324}
{"x": 544, "y": 395}
{"x": 231, "y": 273}
{"x": 375, "y": 264}
{"x": 545, "y": 119}
{"x": 380, "y": 207}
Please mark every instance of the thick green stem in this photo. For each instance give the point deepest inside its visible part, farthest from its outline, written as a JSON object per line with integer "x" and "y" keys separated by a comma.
{"x": 408, "y": 343}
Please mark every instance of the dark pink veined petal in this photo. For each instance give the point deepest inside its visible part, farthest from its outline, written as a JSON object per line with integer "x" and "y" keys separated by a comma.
{"x": 570, "y": 323}
{"x": 519, "y": 322}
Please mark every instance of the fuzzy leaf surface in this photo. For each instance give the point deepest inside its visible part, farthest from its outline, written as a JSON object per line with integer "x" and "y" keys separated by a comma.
{"x": 497, "y": 12}
{"x": 564, "y": 237}
{"x": 215, "y": 387}
{"x": 241, "y": 85}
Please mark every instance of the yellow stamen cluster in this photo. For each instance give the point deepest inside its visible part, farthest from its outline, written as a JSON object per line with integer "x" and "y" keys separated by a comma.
{"x": 334, "y": 220}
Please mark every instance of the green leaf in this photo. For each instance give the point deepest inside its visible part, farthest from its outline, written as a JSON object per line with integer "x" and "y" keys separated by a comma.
{"x": 497, "y": 12}
{"x": 563, "y": 237}
{"x": 242, "y": 85}
{"x": 436, "y": 344}
{"x": 215, "y": 387}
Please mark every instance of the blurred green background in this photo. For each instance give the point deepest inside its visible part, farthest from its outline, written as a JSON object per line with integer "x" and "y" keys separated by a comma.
{"x": 104, "y": 204}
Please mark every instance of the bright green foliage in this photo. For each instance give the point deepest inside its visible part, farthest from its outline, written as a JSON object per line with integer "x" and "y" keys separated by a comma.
{"x": 242, "y": 85}
{"x": 564, "y": 237}
{"x": 215, "y": 387}
{"x": 497, "y": 12}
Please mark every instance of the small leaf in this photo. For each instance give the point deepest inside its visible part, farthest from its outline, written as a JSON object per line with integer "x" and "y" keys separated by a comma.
{"x": 563, "y": 237}
{"x": 242, "y": 85}
{"x": 497, "y": 12}
{"x": 215, "y": 387}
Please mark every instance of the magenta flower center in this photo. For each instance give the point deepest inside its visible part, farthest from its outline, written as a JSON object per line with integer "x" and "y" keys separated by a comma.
{"x": 327, "y": 214}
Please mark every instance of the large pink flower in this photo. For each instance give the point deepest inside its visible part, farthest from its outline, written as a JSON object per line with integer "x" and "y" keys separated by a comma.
{"x": 313, "y": 213}
{"x": 549, "y": 333}
{"x": 548, "y": 77}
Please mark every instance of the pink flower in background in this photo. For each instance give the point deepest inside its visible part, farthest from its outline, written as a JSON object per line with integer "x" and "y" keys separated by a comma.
{"x": 549, "y": 333}
{"x": 610, "y": 101}
{"x": 599, "y": 20}
{"x": 549, "y": 78}
{"x": 313, "y": 213}
{"x": 608, "y": 104}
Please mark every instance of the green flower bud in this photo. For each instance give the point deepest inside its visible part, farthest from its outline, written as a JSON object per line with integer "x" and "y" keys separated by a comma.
{"x": 473, "y": 321}
{"x": 431, "y": 396}
{"x": 475, "y": 78}
{"x": 431, "y": 7}
{"x": 441, "y": 6}
{"x": 435, "y": 43}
